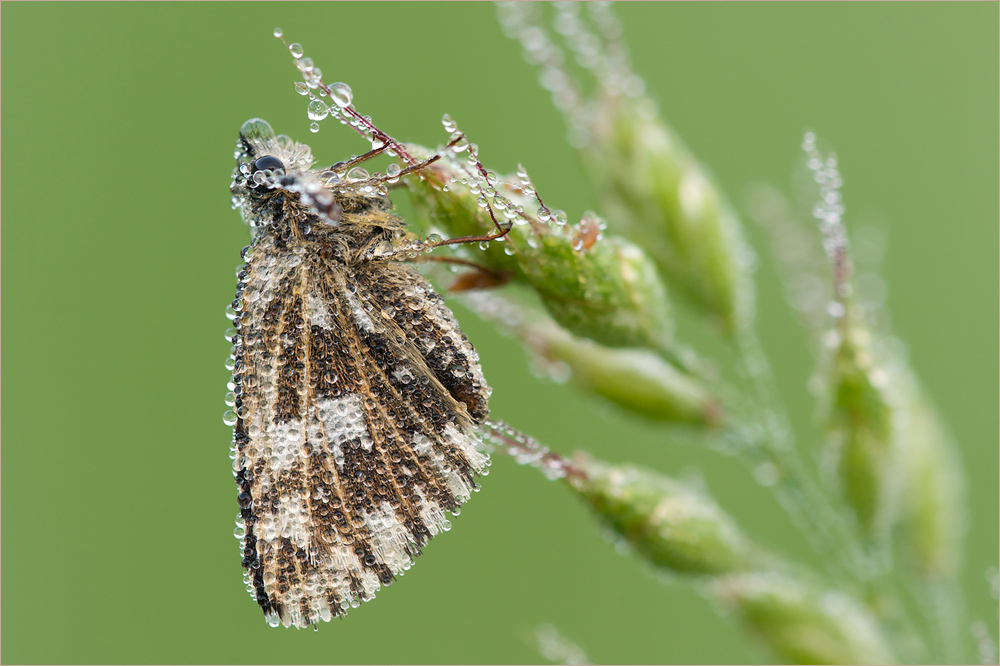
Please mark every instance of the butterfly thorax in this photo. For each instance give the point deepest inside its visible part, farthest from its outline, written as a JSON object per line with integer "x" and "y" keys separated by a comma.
{"x": 364, "y": 229}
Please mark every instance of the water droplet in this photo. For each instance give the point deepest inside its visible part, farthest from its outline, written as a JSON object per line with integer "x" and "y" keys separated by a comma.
{"x": 296, "y": 50}
{"x": 305, "y": 65}
{"x": 461, "y": 143}
{"x": 229, "y": 418}
{"x": 356, "y": 174}
{"x": 341, "y": 94}
{"x": 392, "y": 172}
{"x": 318, "y": 110}
{"x": 255, "y": 128}
{"x": 279, "y": 33}
{"x": 448, "y": 123}
{"x": 313, "y": 127}
{"x": 330, "y": 177}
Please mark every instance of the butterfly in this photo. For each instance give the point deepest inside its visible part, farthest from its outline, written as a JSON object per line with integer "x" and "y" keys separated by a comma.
{"x": 356, "y": 397}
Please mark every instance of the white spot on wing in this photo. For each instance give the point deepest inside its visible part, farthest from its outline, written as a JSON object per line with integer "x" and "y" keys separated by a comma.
{"x": 317, "y": 311}
{"x": 389, "y": 538}
{"x": 422, "y": 445}
{"x": 286, "y": 446}
{"x": 290, "y": 521}
{"x": 468, "y": 444}
{"x": 457, "y": 483}
{"x": 339, "y": 421}
{"x": 360, "y": 316}
{"x": 431, "y": 513}
{"x": 403, "y": 375}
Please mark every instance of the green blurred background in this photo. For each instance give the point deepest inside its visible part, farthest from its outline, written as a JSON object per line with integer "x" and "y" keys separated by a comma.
{"x": 119, "y": 247}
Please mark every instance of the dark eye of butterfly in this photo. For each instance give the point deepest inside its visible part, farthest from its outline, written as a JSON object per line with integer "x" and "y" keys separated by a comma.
{"x": 268, "y": 162}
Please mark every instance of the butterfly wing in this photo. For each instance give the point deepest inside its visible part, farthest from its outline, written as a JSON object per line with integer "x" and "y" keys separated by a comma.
{"x": 357, "y": 397}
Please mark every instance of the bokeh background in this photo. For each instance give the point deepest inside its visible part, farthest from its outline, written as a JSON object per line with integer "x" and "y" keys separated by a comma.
{"x": 119, "y": 246}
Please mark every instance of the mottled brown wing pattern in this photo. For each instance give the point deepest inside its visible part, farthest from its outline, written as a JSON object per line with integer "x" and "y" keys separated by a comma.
{"x": 357, "y": 397}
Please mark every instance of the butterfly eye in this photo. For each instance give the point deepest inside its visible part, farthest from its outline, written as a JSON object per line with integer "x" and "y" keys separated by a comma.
{"x": 268, "y": 162}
